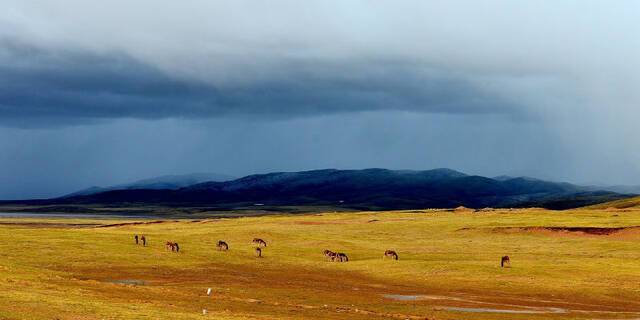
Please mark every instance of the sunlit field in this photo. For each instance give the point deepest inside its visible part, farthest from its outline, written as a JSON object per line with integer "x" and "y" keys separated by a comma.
{"x": 449, "y": 267}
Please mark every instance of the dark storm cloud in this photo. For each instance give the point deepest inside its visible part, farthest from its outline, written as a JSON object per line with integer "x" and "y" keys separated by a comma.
{"x": 58, "y": 87}
{"x": 100, "y": 93}
{"x": 73, "y": 61}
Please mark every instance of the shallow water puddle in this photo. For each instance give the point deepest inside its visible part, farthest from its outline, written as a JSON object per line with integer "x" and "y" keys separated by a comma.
{"x": 497, "y": 307}
{"x": 404, "y": 297}
{"x": 519, "y": 310}
{"x": 401, "y": 297}
{"x": 489, "y": 310}
{"x": 131, "y": 282}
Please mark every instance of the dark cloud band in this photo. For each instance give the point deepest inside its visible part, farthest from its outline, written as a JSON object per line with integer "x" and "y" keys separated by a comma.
{"x": 59, "y": 87}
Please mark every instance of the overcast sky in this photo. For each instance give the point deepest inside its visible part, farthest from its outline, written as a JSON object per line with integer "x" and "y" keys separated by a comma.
{"x": 100, "y": 93}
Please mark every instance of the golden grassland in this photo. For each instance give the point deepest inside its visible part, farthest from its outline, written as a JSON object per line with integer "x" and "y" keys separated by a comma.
{"x": 626, "y": 203}
{"x": 54, "y": 268}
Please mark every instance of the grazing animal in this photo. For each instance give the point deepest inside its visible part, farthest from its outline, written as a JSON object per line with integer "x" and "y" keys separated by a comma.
{"x": 335, "y": 256}
{"x": 177, "y": 247}
{"x": 505, "y": 260}
{"x": 222, "y": 246}
{"x": 259, "y": 242}
{"x": 136, "y": 237}
{"x": 390, "y": 254}
{"x": 170, "y": 245}
{"x": 341, "y": 257}
{"x": 144, "y": 241}
{"x": 330, "y": 255}
{"x": 258, "y": 252}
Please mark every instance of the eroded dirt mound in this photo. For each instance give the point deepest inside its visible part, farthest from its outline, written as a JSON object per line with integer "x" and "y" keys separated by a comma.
{"x": 126, "y": 224}
{"x": 581, "y": 230}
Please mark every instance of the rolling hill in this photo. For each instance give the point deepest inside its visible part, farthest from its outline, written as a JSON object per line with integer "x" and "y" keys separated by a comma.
{"x": 627, "y": 203}
{"x": 369, "y": 189}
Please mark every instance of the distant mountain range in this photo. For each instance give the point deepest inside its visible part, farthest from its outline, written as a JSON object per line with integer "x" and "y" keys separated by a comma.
{"x": 169, "y": 182}
{"x": 370, "y": 189}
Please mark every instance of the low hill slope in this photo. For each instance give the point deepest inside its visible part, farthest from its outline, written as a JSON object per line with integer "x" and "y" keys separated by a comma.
{"x": 618, "y": 204}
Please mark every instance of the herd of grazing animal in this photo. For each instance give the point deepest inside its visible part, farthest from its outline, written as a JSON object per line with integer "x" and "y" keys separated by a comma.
{"x": 329, "y": 255}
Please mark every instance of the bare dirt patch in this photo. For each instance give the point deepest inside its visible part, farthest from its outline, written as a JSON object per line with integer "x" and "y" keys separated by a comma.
{"x": 598, "y": 231}
{"x": 584, "y": 230}
{"x": 314, "y": 223}
{"x": 236, "y": 285}
{"x": 615, "y": 233}
{"x": 133, "y": 223}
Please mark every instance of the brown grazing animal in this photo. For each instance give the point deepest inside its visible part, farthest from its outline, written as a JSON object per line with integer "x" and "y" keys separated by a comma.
{"x": 136, "y": 237}
{"x": 335, "y": 256}
{"x": 390, "y": 254}
{"x": 329, "y": 255}
{"x": 341, "y": 257}
{"x": 259, "y": 242}
{"x": 170, "y": 245}
{"x": 505, "y": 260}
{"x": 258, "y": 252}
{"x": 222, "y": 246}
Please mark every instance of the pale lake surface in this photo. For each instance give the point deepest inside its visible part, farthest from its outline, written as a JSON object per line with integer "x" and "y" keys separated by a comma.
{"x": 72, "y": 215}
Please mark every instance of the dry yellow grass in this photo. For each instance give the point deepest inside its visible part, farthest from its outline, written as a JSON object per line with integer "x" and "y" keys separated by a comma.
{"x": 448, "y": 260}
{"x": 628, "y": 203}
